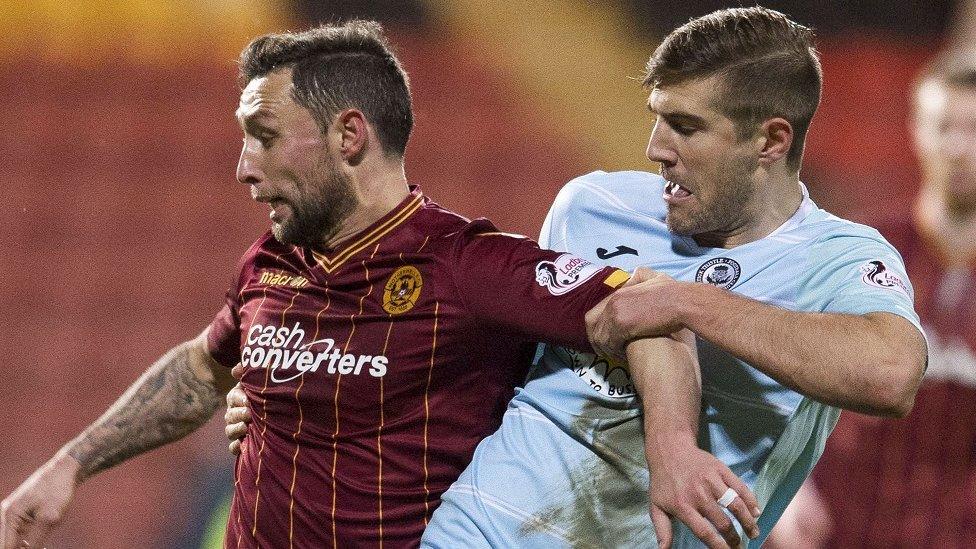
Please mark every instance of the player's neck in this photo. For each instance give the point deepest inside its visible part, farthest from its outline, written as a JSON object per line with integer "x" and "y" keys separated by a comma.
{"x": 773, "y": 204}
{"x": 377, "y": 192}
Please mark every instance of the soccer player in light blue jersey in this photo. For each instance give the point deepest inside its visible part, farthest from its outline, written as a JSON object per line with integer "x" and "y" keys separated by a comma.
{"x": 798, "y": 314}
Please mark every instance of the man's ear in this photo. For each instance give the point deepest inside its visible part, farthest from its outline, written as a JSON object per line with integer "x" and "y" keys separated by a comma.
{"x": 777, "y": 138}
{"x": 353, "y": 134}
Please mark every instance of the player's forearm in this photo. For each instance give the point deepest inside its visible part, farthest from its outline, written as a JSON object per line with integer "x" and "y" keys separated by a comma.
{"x": 868, "y": 363}
{"x": 665, "y": 374}
{"x": 171, "y": 399}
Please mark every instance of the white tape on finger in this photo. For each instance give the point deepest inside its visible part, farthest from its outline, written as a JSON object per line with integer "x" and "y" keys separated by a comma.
{"x": 727, "y": 498}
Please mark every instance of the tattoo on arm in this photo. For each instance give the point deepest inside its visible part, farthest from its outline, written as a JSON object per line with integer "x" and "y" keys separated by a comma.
{"x": 167, "y": 403}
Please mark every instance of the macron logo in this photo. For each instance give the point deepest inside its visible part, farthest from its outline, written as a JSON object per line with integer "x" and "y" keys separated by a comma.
{"x": 284, "y": 351}
{"x": 272, "y": 278}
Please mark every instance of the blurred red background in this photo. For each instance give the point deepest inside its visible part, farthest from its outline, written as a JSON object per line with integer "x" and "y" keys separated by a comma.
{"x": 124, "y": 221}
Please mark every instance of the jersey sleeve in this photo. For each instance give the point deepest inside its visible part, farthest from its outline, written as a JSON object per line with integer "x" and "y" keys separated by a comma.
{"x": 572, "y": 206}
{"x": 552, "y": 235}
{"x": 510, "y": 282}
{"x": 856, "y": 274}
{"x": 224, "y": 332}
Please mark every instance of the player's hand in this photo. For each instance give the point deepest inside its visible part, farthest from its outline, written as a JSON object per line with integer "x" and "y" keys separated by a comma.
{"x": 686, "y": 483}
{"x": 238, "y": 415}
{"x": 29, "y": 514}
{"x": 643, "y": 307}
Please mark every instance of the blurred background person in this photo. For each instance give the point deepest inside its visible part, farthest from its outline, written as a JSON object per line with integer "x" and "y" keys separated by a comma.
{"x": 912, "y": 482}
{"x": 120, "y": 147}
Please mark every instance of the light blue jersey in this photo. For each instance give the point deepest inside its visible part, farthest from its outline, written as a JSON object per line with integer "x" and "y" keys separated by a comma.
{"x": 567, "y": 466}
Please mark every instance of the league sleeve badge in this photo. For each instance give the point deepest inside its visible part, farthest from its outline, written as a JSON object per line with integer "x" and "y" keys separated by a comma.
{"x": 564, "y": 274}
{"x": 876, "y": 273}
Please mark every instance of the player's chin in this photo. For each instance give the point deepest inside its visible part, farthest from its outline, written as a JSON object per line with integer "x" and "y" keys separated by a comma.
{"x": 680, "y": 224}
{"x": 283, "y": 232}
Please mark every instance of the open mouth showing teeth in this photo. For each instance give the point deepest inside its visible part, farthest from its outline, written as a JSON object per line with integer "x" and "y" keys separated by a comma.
{"x": 676, "y": 190}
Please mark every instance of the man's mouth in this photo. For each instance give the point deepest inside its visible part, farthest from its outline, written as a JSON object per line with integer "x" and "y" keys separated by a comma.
{"x": 265, "y": 198}
{"x": 675, "y": 191}
{"x": 275, "y": 213}
{"x": 275, "y": 203}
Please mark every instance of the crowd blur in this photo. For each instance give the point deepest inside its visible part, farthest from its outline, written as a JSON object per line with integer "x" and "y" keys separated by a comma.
{"x": 123, "y": 215}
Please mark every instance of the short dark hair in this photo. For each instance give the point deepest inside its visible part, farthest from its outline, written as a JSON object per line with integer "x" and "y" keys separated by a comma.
{"x": 768, "y": 64}
{"x": 340, "y": 66}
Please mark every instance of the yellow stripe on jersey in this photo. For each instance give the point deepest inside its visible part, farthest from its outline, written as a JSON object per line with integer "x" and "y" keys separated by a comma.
{"x": 331, "y": 264}
{"x": 430, "y": 378}
{"x": 617, "y": 278}
{"x": 294, "y": 459}
{"x": 335, "y": 435}
{"x": 264, "y": 403}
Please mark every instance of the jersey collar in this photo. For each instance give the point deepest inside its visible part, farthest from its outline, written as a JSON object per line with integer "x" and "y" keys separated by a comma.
{"x": 372, "y": 234}
{"x": 807, "y": 207}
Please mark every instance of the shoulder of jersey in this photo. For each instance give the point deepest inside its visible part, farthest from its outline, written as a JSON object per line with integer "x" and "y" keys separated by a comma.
{"x": 478, "y": 228}
{"x": 437, "y": 221}
{"x": 446, "y": 227}
{"x": 822, "y": 225}
{"x": 638, "y": 193}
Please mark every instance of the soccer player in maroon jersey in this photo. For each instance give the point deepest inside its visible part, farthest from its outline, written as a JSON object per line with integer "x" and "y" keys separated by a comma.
{"x": 380, "y": 335}
{"x": 910, "y": 483}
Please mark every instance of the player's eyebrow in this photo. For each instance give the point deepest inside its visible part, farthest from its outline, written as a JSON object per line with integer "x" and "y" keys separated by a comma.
{"x": 677, "y": 116}
{"x": 254, "y": 118}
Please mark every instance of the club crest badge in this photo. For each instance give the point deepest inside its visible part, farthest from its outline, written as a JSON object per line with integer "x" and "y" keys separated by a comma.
{"x": 402, "y": 290}
{"x": 565, "y": 273}
{"x": 721, "y": 271}
{"x": 875, "y": 273}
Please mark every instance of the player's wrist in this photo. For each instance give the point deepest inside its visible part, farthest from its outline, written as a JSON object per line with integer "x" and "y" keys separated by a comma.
{"x": 691, "y": 302}
{"x": 664, "y": 445}
{"x": 67, "y": 464}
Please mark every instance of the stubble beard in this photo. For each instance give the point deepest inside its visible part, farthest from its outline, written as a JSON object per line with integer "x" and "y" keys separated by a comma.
{"x": 960, "y": 196}
{"x": 319, "y": 211}
{"x": 721, "y": 206}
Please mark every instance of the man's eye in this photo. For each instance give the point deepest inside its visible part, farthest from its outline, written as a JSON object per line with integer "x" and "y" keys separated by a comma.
{"x": 685, "y": 129}
{"x": 266, "y": 140}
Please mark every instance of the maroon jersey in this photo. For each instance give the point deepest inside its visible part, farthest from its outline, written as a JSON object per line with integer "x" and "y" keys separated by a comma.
{"x": 912, "y": 482}
{"x": 373, "y": 371}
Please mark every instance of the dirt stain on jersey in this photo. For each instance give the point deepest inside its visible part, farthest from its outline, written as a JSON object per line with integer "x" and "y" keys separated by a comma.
{"x": 608, "y": 505}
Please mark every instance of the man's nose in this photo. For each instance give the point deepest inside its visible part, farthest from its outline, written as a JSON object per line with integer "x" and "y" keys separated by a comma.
{"x": 248, "y": 171}
{"x": 658, "y": 147}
